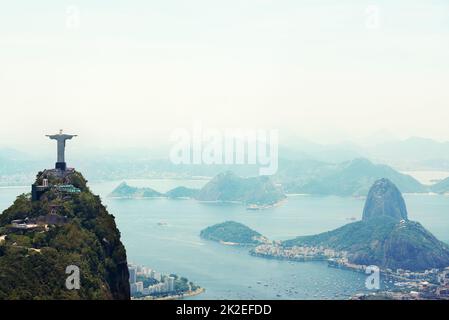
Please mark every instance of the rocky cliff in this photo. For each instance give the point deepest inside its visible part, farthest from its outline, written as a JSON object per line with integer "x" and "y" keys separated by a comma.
{"x": 384, "y": 199}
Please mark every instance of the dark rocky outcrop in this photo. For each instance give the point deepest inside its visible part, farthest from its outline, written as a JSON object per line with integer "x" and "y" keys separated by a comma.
{"x": 384, "y": 199}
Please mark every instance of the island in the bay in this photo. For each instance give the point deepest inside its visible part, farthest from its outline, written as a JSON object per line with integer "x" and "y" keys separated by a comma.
{"x": 148, "y": 284}
{"x": 58, "y": 228}
{"x": 233, "y": 233}
{"x": 254, "y": 192}
{"x": 126, "y": 191}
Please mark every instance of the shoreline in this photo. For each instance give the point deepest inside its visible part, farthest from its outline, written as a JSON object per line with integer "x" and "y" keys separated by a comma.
{"x": 282, "y": 258}
{"x": 406, "y": 284}
{"x": 255, "y": 207}
{"x": 174, "y": 297}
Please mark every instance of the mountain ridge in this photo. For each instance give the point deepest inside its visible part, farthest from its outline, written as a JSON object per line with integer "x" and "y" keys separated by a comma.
{"x": 227, "y": 186}
{"x": 350, "y": 178}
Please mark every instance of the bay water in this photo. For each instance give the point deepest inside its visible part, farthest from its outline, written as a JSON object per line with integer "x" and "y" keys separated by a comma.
{"x": 163, "y": 234}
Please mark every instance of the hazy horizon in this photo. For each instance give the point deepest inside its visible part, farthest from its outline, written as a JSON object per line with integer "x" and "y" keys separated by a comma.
{"x": 127, "y": 75}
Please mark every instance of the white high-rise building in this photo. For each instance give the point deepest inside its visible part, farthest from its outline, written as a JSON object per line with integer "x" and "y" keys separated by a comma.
{"x": 157, "y": 276}
{"x": 133, "y": 288}
{"x": 132, "y": 274}
{"x": 149, "y": 272}
{"x": 171, "y": 283}
{"x": 139, "y": 286}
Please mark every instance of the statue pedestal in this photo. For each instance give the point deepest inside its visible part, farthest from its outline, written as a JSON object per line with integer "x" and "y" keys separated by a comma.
{"x": 61, "y": 166}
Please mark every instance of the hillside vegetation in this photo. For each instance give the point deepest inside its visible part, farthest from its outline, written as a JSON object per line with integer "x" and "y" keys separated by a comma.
{"x": 33, "y": 261}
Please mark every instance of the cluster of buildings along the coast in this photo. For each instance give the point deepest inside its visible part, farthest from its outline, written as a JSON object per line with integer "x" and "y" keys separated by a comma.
{"x": 430, "y": 284}
{"x": 160, "y": 284}
{"x": 296, "y": 253}
{"x": 404, "y": 284}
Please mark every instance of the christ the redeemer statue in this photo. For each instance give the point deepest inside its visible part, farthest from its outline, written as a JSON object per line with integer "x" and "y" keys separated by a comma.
{"x": 61, "y": 138}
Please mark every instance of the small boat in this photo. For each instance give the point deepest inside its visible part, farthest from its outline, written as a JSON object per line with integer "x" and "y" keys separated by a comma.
{"x": 253, "y": 207}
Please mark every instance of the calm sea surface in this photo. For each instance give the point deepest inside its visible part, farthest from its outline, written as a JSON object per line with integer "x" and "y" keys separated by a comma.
{"x": 229, "y": 272}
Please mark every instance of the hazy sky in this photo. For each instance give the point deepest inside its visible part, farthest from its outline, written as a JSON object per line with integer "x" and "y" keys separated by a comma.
{"x": 133, "y": 71}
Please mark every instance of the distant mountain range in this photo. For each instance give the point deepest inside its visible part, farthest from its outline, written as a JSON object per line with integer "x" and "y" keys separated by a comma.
{"x": 414, "y": 153}
{"x": 304, "y": 167}
{"x": 350, "y": 178}
{"x": 17, "y": 168}
{"x": 384, "y": 237}
{"x": 225, "y": 187}
{"x": 441, "y": 187}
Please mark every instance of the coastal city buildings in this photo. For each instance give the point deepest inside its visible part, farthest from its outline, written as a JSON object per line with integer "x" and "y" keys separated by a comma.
{"x": 297, "y": 253}
{"x": 405, "y": 284}
{"x": 132, "y": 274}
{"x": 162, "y": 284}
